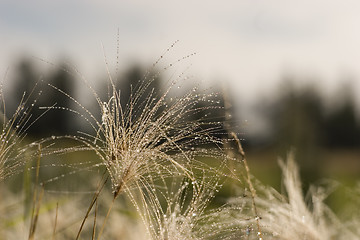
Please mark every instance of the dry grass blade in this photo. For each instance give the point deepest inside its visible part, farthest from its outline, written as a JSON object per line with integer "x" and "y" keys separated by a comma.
{"x": 35, "y": 217}
{"x": 248, "y": 179}
{"x": 56, "y": 219}
{"x": 106, "y": 218}
{"x": 94, "y": 224}
{"x": 36, "y": 199}
{"x": 93, "y": 201}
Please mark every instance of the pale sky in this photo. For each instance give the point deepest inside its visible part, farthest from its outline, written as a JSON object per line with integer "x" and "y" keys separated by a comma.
{"x": 249, "y": 43}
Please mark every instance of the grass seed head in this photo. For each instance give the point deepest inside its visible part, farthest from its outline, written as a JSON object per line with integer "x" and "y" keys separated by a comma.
{"x": 152, "y": 136}
{"x": 13, "y": 150}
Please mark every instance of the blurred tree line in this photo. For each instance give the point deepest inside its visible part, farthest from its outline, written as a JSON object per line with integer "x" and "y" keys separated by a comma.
{"x": 301, "y": 119}
{"x": 297, "y": 118}
{"x": 61, "y": 121}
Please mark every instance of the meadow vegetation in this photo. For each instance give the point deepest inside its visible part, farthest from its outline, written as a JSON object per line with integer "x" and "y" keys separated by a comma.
{"x": 154, "y": 166}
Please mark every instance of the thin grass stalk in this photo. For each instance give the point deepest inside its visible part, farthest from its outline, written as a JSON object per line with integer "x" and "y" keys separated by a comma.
{"x": 93, "y": 201}
{"x": 36, "y": 216}
{"x": 248, "y": 179}
{"x": 106, "y": 218}
{"x": 94, "y": 225}
{"x": 56, "y": 218}
{"x": 36, "y": 199}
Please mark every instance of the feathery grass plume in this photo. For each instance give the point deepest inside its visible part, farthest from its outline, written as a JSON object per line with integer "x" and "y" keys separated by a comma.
{"x": 148, "y": 138}
{"x": 13, "y": 132}
{"x": 285, "y": 216}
